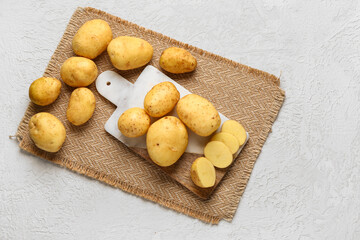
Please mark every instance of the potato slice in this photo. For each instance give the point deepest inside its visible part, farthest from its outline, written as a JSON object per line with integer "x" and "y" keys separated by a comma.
{"x": 203, "y": 173}
{"x": 218, "y": 154}
{"x": 236, "y": 129}
{"x": 228, "y": 139}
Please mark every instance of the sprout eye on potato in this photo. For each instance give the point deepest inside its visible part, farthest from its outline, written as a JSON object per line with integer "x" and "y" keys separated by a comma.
{"x": 78, "y": 72}
{"x": 81, "y": 106}
{"x": 47, "y": 132}
{"x": 177, "y": 60}
{"x": 203, "y": 173}
{"x": 129, "y": 52}
{"x": 92, "y": 38}
{"x": 161, "y": 99}
{"x": 134, "y": 122}
{"x": 166, "y": 140}
{"x": 198, "y": 114}
{"x": 44, "y": 91}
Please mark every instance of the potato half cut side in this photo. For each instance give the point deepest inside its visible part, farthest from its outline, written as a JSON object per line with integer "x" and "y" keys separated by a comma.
{"x": 228, "y": 139}
{"x": 218, "y": 154}
{"x": 203, "y": 173}
{"x": 236, "y": 129}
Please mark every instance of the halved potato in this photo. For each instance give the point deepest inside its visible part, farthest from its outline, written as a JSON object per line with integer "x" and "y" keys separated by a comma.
{"x": 236, "y": 129}
{"x": 218, "y": 154}
{"x": 228, "y": 139}
{"x": 203, "y": 173}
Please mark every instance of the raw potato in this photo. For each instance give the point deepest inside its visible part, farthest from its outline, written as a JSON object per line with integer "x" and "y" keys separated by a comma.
{"x": 78, "y": 72}
{"x": 161, "y": 99}
{"x": 134, "y": 122}
{"x": 129, "y": 52}
{"x": 236, "y": 129}
{"x": 218, "y": 153}
{"x": 81, "y": 106}
{"x": 47, "y": 132}
{"x": 228, "y": 139}
{"x": 166, "y": 140}
{"x": 198, "y": 114}
{"x": 92, "y": 38}
{"x": 177, "y": 60}
{"x": 203, "y": 173}
{"x": 44, "y": 91}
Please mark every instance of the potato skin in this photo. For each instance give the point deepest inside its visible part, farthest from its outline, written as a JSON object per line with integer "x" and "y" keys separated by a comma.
{"x": 166, "y": 141}
{"x": 177, "y": 60}
{"x": 198, "y": 114}
{"x": 81, "y": 106}
{"x": 78, "y": 72}
{"x": 44, "y": 91}
{"x": 92, "y": 38}
{"x": 129, "y": 52}
{"x": 134, "y": 122}
{"x": 203, "y": 173}
{"x": 47, "y": 132}
{"x": 161, "y": 99}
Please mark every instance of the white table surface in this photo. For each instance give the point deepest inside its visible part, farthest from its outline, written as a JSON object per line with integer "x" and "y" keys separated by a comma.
{"x": 306, "y": 181}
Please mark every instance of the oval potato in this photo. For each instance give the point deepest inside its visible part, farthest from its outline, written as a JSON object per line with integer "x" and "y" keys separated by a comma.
{"x": 92, "y": 38}
{"x": 47, "y": 131}
{"x": 198, "y": 114}
{"x": 78, "y": 72}
{"x": 134, "y": 122}
{"x": 203, "y": 173}
{"x": 166, "y": 140}
{"x": 81, "y": 106}
{"x": 129, "y": 52}
{"x": 161, "y": 99}
{"x": 218, "y": 154}
{"x": 236, "y": 129}
{"x": 44, "y": 91}
{"x": 228, "y": 139}
{"x": 177, "y": 60}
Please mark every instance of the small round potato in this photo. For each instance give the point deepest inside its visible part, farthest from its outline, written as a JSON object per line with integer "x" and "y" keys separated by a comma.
{"x": 166, "y": 140}
{"x": 134, "y": 122}
{"x": 129, "y": 52}
{"x": 81, "y": 106}
{"x": 78, "y": 72}
{"x": 161, "y": 99}
{"x": 198, "y": 114}
{"x": 44, "y": 91}
{"x": 177, "y": 60}
{"x": 228, "y": 139}
{"x": 236, "y": 129}
{"x": 203, "y": 173}
{"x": 47, "y": 132}
{"x": 218, "y": 154}
{"x": 92, "y": 38}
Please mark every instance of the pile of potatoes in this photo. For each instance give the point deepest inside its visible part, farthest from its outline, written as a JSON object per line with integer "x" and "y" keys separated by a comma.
{"x": 125, "y": 53}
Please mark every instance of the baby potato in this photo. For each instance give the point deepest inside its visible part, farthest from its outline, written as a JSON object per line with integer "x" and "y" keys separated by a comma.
{"x": 161, "y": 99}
{"x": 218, "y": 154}
{"x": 203, "y": 173}
{"x": 166, "y": 140}
{"x": 177, "y": 60}
{"x": 134, "y": 122}
{"x": 228, "y": 139}
{"x": 198, "y": 114}
{"x": 78, "y": 72}
{"x": 236, "y": 129}
{"x": 129, "y": 52}
{"x": 47, "y": 132}
{"x": 92, "y": 38}
{"x": 44, "y": 91}
{"x": 81, "y": 106}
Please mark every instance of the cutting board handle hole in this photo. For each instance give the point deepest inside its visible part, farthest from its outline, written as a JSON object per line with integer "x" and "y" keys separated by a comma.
{"x": 108, "y": 83}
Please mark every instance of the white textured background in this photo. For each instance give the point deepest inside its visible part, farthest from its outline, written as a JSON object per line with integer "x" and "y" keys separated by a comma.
{"x": 306, "y": 182}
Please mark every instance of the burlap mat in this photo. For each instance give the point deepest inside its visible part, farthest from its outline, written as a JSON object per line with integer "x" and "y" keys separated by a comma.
{"x": 247, "y": 95}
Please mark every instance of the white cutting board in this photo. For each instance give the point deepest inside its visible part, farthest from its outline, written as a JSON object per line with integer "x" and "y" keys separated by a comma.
{"x": 126, "y": 95}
